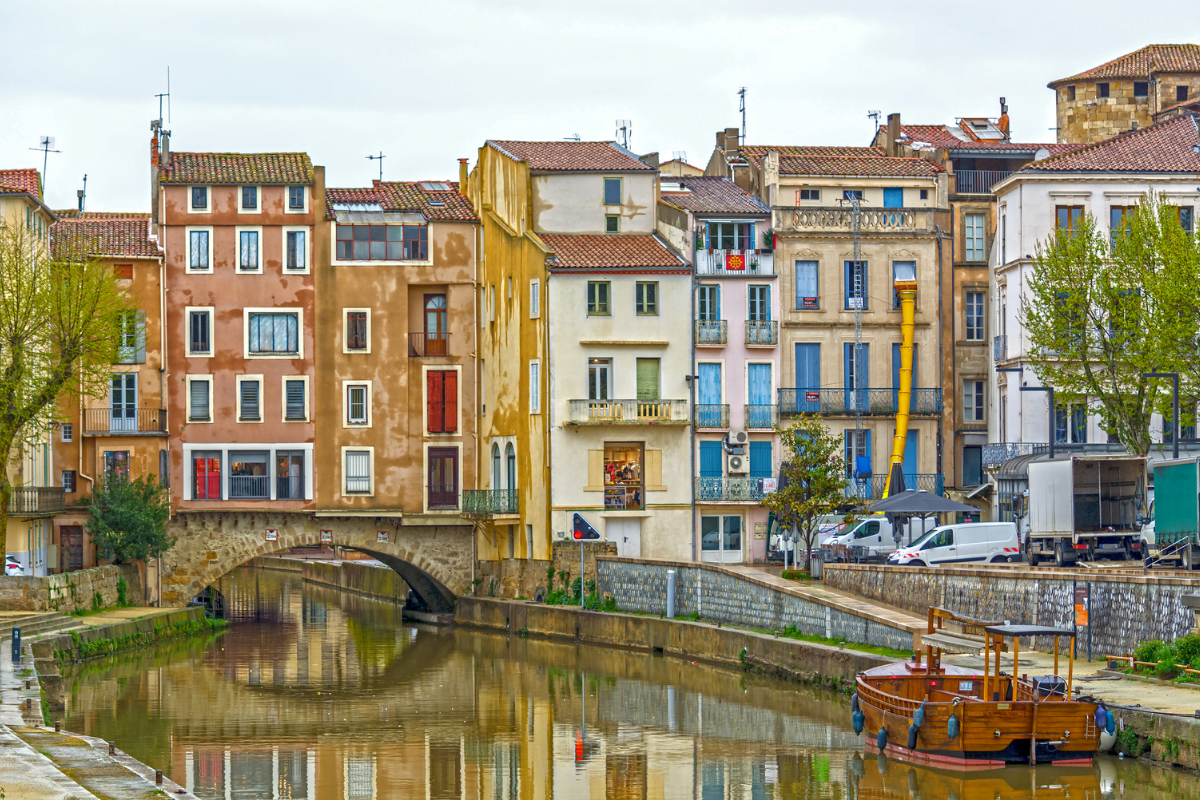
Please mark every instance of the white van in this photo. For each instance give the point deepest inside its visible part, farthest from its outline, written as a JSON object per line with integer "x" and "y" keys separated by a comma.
{"x": 989, "y": 542}
{"x": 876, "y": 535}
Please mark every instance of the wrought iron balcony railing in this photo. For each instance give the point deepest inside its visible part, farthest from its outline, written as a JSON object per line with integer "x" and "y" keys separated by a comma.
{"x": 426, "y": 345}
{"x": 124, "y": 420}
{"x": 996, "y": 453}
{"x": 627, "y": 412}
{"x": 848, "y": 402}
{"x": 762, "y": 332}
{"x": 711, "y": 332}
{"x": 978, "y": 181}
{"x": 486, "y": 503}
{"x": 32, "y": 501}
{"x": 712, "y": 415}
{"x": 735, "y": 263}
{"x": 716, "y": 490}
{"x": 871, "y": 488}
{"x": 759, "y": 416}
{"x": 819, "y": 219}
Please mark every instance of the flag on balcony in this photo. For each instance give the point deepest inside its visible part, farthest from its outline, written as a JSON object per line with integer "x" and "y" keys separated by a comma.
{"x": 735, "y": 261}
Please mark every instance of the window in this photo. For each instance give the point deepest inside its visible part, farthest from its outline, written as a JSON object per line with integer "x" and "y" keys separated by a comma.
{"x": 199, "y": 332}
{"x": 647, "y": 379}
{"x": 807, "y": 296}
{"x": 356, "y": 331}
{"x": 436, "y": 336}
{"x": 708, "y": 302}
{"x": 730, "y": 236}
{"x": 624, "y": 476}
{"x": 68, "y": 480}
{"x": 646, "y": 297}
{"x": 1181, "y": 94}
{"x": 1068, "y": 218}
{"x": 855, "y": 194}
{"x": 249, "y": 198}
{"x": 199, "y": 395}
{"x": 508, "y": 281}
{"x": 809, "y": 194}
{"x": 358, "y": 471}
{"x": 597, "y": 298}
{"x": 116, "y": 463}
{"x": 1186, "y": 216}
{"x": 123, "y": 272}
{"x": 206, "y": 475}
{"x": 68, "y": 431}
{"x": 443, "y": 478}
{"x": 612, "y": 191}
{"x": 893, "y": 197}
{"x": 357, "y": 403}
{"x": 905, "y": 271}
{"x": 289, "y": 475}
{"x": 974, "y": 307}
{"x": 249, "y": 398}
{"x": 759, "y": 304}
{"x": 924, "y": 194}
{"x": 270, "y": 333}
{"x": 535, "y": 387}
{"x": 249, "y": 477}
{"x": 132, "y": 342}
{"x": 296, "y": 252}
{"x": 199, "y": 258}
{"x": 295, "y": 399}
{"x": 535, "y": 298}
{"x": 199, "y": 198}
{"x": 599, "y": 378}
{"x": 382, "y": 242}
{"x": 1140, "y": 89}
{"x": 973, "y": 237}
{"x": 1071, "y": 93}
{"x": 296, "y": 198}
{"x": 612, "y": 223}
{"x": 1070, "y": 423}
{"x": 441, "y": 401}
{"x": 1004, "y": 238}
{"x": 855, "y": 284}
{"x": 1101, "y": 90}
{"x": 248, "y": 251}
{"x": 164, "y": 469}
{"x": 973, "y": 409}
{"x": 1119, "y": 220}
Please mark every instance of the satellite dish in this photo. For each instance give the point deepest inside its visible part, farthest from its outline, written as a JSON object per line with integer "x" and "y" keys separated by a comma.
{"x": 1041, "y": 154}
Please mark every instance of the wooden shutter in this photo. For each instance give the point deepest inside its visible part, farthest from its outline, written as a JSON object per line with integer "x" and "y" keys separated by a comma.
{"x": 595, "y": 471}
{"x": 123, "y": 272}
{"x": 164, "y": 474}
{"x": 450, "y": 402}
{"x": 761, "y": 465}
{"x": 647, "y": 379}
{"x": 653, "y": 471}
{"x": 435, "y": 400}
{"x": 711, "y": 465}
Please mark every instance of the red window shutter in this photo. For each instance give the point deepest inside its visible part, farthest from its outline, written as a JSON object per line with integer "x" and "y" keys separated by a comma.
{"x": 436, "y": 401}
{"x": 450, "y": 382}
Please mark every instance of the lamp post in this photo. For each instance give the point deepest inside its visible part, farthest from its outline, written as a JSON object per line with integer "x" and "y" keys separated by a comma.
{"x": 1050, "y": 391}
{"x": 1174, "y": 376}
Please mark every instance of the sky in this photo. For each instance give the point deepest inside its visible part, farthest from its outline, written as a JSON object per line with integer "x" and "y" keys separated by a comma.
{"x": 427, "y": 83}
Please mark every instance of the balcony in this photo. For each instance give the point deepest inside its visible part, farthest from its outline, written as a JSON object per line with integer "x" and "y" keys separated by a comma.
{"x": 818, "y": 219}
{"x": 119, "y": 421}
{"x": 724, "y": 263}
{"x": 711, "y": 332}
{"x": 871, "y": 488}
{"x": 289, "y": 487}
{"x": 36, "y": 501}
{"x": 758, "y": 417}
{"x": 996, "y": 453}
{"x": 762, "y": 333}
{"x": 712, "y": 415}
{"x": 977, "y": 181}
{"x": 729, "y": 490}
{"x": 489, "y": 503}
{"x": 848, "y": 402}
{"x": 249, "y": 487}
{"x": 428, "y": 345}
{"x": 627, "y": 412}
{"x": 1000, "y": 347}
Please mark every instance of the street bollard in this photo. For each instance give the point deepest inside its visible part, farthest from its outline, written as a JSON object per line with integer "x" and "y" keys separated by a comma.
{"x": 58, "y": 726}
{"x": 112, "y": 749}
{"x": 16, "y": 645}
{"x": 158, "y": 777}
{"x": 670, "y": 594}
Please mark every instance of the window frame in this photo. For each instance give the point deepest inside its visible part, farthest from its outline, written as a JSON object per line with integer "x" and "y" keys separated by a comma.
{"x": 192, "y": 208}
{"x": 370, "y": 451}
{"x": 66, "y": 432}
{"x": 136, "y": 353}
{"x": 612, "y": 223}
{"x": 1141, "y": 89}
{"x": 238, "y": 381}
{"x": 188, "y": 381}
{"x": 346, "y": 348}
{"x": 848, "y": 266}
{"x": 620, "y": 190}
{"x": 1190, "y": 212}
{"x": 535, "y": 298}
{"x": 816, "y": 301}
{"x": 981, "y": 327}
{"x": 237, "y": 249}
{"x": 283, "y": 406}
{"x": 1071, "y": 217}
{"x": 1125, "y": 217}
{"x": 355, "y": 385}
{"x": 296, "y": 312}
{"x": 208, "y": 311}
{"x": 427, "y": 446}
{"x": 283, "y": 262}
{"x": 1070, "y": 92}
{"x": 607, "y": 310}
{"x": 69, "y": 487}
{"x": 241, "y": 199}
{"x": 1102, "y": 89}
{"x": 187, "y": 263}
{"x": 287, "y": 206}
{"x": 534, "y": 382}
{"x": 814, "y": 195}
{"x": 424, "y": 238}
{"x": 976, "y": 392}
{"x": 981, "y": 238}
{"x": 641, "y": 307}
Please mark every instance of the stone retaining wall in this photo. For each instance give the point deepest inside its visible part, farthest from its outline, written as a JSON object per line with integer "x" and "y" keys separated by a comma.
{"x": 717, "y": 594}
{"x": 1124, "y": 609}
{"x": 351, "y": 576}
{"x": 69, "y": 591}
{"x": 522, "y": 577}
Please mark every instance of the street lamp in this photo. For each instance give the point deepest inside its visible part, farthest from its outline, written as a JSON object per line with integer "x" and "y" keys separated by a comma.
{"x": 1050, "y": 391}
{"x": 1174, "y": 376}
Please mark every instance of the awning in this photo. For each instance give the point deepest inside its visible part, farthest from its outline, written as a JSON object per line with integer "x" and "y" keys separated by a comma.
{"x": 979, "y": 491}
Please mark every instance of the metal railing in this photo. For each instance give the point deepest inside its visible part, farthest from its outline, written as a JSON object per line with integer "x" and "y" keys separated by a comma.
{"x": 1000, "y": 347}
{"x": 724, "y": 263}
{"x": 124, "y": 420}
{"x": 818, "y": 218}
{"x": 873, "y": 402}
{"x": 871, "y": 488}
{"x": 996, "y": 453}
{"x": 759, "y": 416}
{"x": 762, "y": 332}
{"x": 627, "y": 412}
{"x": 978, "y": 181}
{"x": 729, "y": 490}
{"x": 711, "y": 331}
{"x": 712, "y": 415}
{"x": 481, "y": 503}
{"x": 443, "y": 497}
{"x": 289, "y": 487}
{"x": 427, "y": 345}
{"x": 249, "y": 487}
{"x": 32, "y": 500}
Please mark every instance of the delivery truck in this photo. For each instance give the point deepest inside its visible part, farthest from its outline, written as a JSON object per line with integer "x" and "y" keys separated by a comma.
{"x": 1086, "y": 507}
{"x": 1173, "y": 523}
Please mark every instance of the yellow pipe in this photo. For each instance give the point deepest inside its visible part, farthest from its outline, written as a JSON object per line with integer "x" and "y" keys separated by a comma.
{"x": 907, "y": 289}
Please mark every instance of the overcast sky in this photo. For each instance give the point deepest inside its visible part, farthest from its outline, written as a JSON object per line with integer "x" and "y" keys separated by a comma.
{"x": 427, "y": 82}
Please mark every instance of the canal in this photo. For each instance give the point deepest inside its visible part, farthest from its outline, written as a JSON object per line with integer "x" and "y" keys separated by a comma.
{"x": 315, "y": 693}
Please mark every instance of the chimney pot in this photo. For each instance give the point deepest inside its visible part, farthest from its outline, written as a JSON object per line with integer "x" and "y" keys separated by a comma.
{"x": 462, "y": 174}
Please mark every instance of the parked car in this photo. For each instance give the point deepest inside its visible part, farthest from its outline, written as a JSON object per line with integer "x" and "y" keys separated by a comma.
{"x": 12, "y": 566}
{"x": 989, "y": 542}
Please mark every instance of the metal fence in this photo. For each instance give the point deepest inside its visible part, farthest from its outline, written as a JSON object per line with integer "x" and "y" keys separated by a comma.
{"x": 729, "y": 489}
{"x": 760, "y": 416}
{"x": 423, "y": 345}
{"x": 249, "y": 487}
{"x": 124, "y": 420}
{"x": 762, "y": 332}
{"x": 712, "y": 415}
{"x": 978, "y": 181}
{"x": 489, "y": 502}
{"x": 871, "y": 488}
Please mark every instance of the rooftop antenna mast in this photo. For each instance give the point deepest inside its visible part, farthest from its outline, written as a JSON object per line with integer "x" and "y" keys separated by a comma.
{"x": 166, "y": 94}
{"x": 380, "y": 159}
{"x": 680, "y": 158}
{"x": 624, "y": 132}
{"x": 82, "y": 194}
{"x": 876, "y": 115}
{"x": 572, "y": 138}
{"x": 45, "y": 147}
{"x": 742, "y": 109}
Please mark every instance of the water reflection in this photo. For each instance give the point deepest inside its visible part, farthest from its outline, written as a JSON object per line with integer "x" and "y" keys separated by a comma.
{"x": 318, "y": 694}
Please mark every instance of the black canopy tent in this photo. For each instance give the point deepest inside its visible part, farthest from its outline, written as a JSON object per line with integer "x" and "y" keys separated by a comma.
{"x": 906, "y": 505}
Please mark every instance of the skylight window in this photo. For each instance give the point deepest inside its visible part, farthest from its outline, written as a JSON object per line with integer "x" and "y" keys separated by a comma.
{"x": 435, "y": 186}
{"x": 357, "y": 207}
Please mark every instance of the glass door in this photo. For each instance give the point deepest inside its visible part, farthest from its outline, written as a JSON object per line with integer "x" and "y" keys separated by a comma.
{"x": 721, "y": 539}
{"x": 123, "y": 402}
{"x": 436, "y": 334}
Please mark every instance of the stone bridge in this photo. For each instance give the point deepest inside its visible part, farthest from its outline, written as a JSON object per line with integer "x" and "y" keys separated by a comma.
{"x": 435, "y": 561}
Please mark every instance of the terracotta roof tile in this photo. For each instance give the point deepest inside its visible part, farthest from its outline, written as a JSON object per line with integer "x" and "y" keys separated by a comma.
{"x": 239, "y": 168}
{"x": 858, "y": 166}
{"x": 609, "y": 251}
{"x": 1158, "y": 58}
{"x": 940, "y": 136}
{"x": 755, "y": 152}
{"x": 21, "y": 181}
{"x": 713, "y": 195}
{"x": 1171, "y": 146}
{"x": 106, "y": 234}
{"x": 74, "y": 213}
{"x": 568, "y": 156}
{"x": 408, "y": 196}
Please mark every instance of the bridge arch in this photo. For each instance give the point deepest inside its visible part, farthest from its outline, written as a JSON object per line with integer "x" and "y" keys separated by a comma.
{"x": 435, "y": 561}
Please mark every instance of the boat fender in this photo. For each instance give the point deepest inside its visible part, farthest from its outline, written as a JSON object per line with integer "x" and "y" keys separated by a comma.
{"x": 1101, "y": 717}
{"x": 952, "y": 727}
{"x": 881, "y": 739}
{"x": 912, "y": 735}
{"x": 1111, "y": 724}
{"x": 857, "y": 719}
{"x": 919, "y": 715}
{"x": 854, "y": 702}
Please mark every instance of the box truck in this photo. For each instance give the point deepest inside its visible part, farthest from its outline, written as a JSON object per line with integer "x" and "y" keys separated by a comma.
{"x": 1173, "y": 526}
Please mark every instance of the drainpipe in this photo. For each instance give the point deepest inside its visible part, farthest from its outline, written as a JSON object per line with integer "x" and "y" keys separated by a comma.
{"x": 692, "y": 383}
{"x": 942, "y": 342}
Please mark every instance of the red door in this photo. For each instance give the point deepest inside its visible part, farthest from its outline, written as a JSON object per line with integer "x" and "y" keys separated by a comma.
{"x": 443, "y": 477}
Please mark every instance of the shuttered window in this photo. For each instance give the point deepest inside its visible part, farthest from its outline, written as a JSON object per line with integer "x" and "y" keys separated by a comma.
{"x": 249, "y": 391}
{"x": 442, "y": 401}
{"x": 199, "y": 342}
{"x": 198, "y": 400}
{"x": 358, "y": 471}
{"x": 647, "y": 379}
{"x": 295, "y": 407}
{"x": 356, "y": 330}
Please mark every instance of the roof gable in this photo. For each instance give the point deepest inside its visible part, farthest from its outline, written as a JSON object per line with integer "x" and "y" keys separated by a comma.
{"x": 238, "y": 168}
{"x": 1158, "y": 58}
{"x": 570, "y": 156}
{"x": 711, "y": 195}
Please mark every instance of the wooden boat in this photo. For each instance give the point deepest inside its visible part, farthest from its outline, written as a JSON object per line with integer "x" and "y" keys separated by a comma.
{"x": 951, "y": 716}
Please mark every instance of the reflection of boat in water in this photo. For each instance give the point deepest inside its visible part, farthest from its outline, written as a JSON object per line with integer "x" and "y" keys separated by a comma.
{"x": 882, "y": 778}
{"x": 951, "y": 716}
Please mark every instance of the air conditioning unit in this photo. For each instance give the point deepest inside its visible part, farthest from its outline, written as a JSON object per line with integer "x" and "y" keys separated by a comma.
{"x": 737, "y": 465}
{"x": 738, "y": 438}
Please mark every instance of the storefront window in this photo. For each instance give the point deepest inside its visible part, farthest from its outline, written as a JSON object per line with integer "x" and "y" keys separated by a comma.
{"x": 623, "y": 481}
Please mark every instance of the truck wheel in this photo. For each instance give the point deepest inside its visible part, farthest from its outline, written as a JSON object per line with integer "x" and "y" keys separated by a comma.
{"x": 1032, "y": 556}
{"x": 1060, "y": 556}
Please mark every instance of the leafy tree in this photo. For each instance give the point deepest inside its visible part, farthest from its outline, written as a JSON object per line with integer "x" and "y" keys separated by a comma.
{"x": 1101, "y": 309}
{"x": 60, "y": 318}
{"x": 812, "y": 478}
{"x": 128, "y": 518}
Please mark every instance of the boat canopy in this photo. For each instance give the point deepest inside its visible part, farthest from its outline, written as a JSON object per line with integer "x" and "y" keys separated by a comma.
{"x": 1016, "y": 631}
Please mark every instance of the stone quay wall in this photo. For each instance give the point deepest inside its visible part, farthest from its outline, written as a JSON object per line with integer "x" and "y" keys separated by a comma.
{"x": 71, "y": 591}
{"x": 520, "y": 577}
{"x": 724, "y": 596}
{"x": 1124, "y": 610}
{"x": 380, "y": 582}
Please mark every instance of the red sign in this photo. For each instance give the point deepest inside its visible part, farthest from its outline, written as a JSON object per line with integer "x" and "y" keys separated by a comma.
{"x": 812, "y": 397}
{"x": 809, "y": 302}
{"x": 735, "y": 261}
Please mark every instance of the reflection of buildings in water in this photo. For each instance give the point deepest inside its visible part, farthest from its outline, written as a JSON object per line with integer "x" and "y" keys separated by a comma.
{"x": 217, "y": 773}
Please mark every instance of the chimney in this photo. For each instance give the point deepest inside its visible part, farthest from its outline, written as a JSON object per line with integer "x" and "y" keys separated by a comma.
{"x": 650, "y": 160}
{"x": 1002, "y": 123}
{"x": 155, "y": 165}
{"x": 462, "y": 174}
{"x": 893, "y": 133}
{"x": 732, "y": 140}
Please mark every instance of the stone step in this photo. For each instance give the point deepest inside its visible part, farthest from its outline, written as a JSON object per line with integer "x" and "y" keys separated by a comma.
{"x": 26, "y": 621}
{"x": 46, "y": 625}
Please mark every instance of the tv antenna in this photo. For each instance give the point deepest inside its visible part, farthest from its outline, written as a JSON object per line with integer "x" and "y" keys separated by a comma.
{"x": 46, "y": 147}
{"x": 876, "y": 115}
{"x": 380, "y": 159}
{"x": 680, "y": 158}
{"x": 166, "y": 94}
{"x": 742, "y": 109}
{"x": 82, "y": 194}
{"x": 572, "y": 138}
{"x": 624, "y": 132}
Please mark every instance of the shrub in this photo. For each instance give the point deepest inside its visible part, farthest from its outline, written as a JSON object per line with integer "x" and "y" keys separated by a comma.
{"x": 97, "y": 602}
{"x": 1164, "y": 654}
{"x": 1146, "y": 650}
{"x": 122, "y": 592}
{"x": 1187, "y": 648}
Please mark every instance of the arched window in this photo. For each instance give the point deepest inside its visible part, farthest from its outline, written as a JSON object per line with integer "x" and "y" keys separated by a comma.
{"x": 511, "y": 455}
{"x": 495, "y": 467}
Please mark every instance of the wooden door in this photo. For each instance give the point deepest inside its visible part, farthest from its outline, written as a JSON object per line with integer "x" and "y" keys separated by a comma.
{"x": 71, "y": 542}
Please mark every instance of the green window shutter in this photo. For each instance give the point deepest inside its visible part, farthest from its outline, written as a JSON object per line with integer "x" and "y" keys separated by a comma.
{"x": 647, "y": 379}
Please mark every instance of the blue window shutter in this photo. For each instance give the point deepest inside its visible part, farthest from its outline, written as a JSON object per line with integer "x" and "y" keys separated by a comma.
{"x": 808, "y": 366}
{"x": 848, "y": 286}
{"x": 869, "y": 454}
{"x": 849, "y": 452}
{"x": 760, "y": 384}
{"x": 760, "y": 459}
{"x": 710, "y": 459}
{"x": 893, "y": 197}
{"x": 710, "y": 384}
{"x": 910, "y": 459}
{"x": 864, "y": 369}
{"x": 718, "y": 308}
